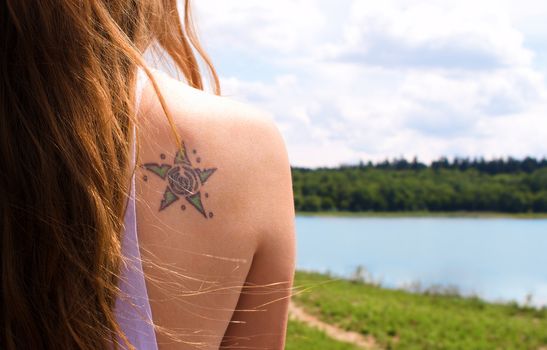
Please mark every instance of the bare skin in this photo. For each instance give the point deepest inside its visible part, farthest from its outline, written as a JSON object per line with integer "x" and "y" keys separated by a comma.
{"x": 229, "y": 247}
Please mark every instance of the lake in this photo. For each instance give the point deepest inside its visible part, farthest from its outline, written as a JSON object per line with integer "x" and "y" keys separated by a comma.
{"x": 496, "y": 259}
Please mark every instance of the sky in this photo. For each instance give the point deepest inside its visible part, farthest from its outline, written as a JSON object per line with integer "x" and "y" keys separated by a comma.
{"x": 355, "y": 80}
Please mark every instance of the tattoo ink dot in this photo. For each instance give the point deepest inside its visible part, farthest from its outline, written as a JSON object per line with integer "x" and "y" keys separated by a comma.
{"x": 145, "y": 178}
{"x": 198, "y": 159}
{"x": 206, "y": 195}
{"x": 162, "y": 156}
{"x": 210, "y": 214}
{"x": 183, "y": 207}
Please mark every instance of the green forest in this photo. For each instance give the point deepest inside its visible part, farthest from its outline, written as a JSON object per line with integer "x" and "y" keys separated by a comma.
{"x": 500, "y": 185}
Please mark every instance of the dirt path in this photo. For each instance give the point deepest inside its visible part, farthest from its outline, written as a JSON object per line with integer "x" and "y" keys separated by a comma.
{"x": 298, "y": 313}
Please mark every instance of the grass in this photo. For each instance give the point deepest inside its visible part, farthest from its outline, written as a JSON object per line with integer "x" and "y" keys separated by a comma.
{"x": 420, "y": 214}
{"x": 302, "y": 337}
{"x": 402, "y": 320}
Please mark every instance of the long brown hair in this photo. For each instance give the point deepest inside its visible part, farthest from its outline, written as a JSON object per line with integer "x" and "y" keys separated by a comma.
{"x": 68, "y": 69}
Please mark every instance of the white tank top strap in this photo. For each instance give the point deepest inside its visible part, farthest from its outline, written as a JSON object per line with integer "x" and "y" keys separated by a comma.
{"x": 133, "y": 311}
{"x": 142, "y": 79}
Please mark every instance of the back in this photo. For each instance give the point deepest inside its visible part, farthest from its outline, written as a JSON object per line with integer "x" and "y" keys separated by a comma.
{"x": 215, "y": 223}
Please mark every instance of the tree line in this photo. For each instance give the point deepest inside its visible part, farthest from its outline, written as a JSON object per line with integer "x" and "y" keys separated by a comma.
{"x": 462, "y": 184}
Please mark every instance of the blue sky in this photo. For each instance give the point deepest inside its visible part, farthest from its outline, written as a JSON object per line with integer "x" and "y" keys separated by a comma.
{"x": 352, "y": 80}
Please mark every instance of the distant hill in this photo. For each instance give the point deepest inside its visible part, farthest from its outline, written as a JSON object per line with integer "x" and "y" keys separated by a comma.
{"x": 499, "y": 185}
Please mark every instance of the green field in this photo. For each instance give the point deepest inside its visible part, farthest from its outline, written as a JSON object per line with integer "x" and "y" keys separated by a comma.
{"x": 403, "y": 320}
{"x": 302, "y": 337}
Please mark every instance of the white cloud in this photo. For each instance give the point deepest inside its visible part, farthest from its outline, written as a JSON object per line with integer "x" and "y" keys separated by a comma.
{"x": 281, "y": 26}
{"x": 376, "y": 79}
{"x": 462, "y": 34}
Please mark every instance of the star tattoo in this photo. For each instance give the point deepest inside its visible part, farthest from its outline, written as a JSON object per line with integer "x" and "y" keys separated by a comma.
{"x": 183, "y": 180}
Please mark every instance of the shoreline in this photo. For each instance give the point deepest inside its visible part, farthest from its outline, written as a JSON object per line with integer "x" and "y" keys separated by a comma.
{"x": 424, "y": 214}
{"x": 440, "y": 290}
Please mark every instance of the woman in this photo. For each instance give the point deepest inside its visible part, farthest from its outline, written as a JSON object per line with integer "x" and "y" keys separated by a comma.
{"x": 189, "y": 247}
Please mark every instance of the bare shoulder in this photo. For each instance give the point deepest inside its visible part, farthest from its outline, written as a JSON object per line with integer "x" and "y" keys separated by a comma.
{"x": 222, "y": 208}
{"x": 251, "y": 181}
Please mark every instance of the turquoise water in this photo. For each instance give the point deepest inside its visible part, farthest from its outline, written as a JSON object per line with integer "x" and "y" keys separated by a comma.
{"x": 496, "y": 259}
